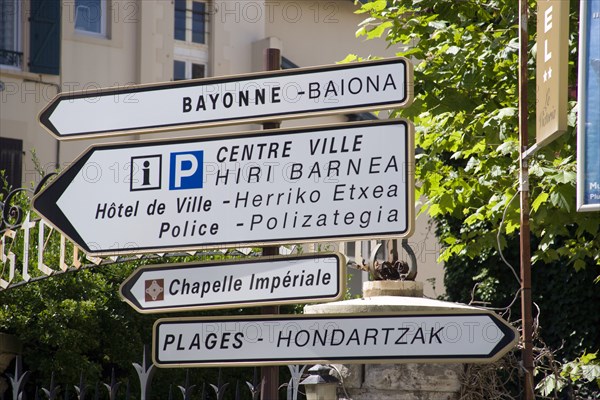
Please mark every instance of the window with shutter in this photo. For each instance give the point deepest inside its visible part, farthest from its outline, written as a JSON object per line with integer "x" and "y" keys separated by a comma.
{"x": 10, "y": 33}
{"x": 44, "y": 25}
{"x": 11, "y": 161}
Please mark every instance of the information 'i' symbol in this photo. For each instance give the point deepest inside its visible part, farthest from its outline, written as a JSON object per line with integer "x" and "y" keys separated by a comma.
{"x": 146, "y": 172}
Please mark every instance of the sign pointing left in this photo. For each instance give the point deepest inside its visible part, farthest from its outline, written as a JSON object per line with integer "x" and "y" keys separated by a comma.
{"x": 238, "y": 99}
{"x": 276, "y": 186}
{"x": 304, "y": 278}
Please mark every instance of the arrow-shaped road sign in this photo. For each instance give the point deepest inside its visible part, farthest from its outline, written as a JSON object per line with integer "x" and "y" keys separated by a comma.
{"x": 236, "y": 283}
{"x": 473, "y": 337}
{"x": 352, "y": 180}
{"x": 372, "y": 85}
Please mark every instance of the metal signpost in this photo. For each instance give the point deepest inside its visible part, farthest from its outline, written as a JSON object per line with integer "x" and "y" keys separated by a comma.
{"x": 349, "y": 181}
{"x": 258, "y": 97}
{"x": 236, "y": 283}
{"x": 346, "y": 181}
{"x": 305, "y": 339}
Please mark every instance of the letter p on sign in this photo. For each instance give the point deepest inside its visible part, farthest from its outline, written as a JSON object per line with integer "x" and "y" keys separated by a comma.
{"x": 186, "y": 170}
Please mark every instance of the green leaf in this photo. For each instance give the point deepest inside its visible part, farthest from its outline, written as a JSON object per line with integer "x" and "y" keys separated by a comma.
{"x": 559, "y": 200}
{"x": 507, "y": 112}
{"x": 453, "y": 50}
{"x": 549, "y": 384}
{"x": 374, "y": 6}
{"x": 465, "y": 112}
{"x": 446, "y": 203}
{"x": 590, "y": 372}
{"x": 512, "y": 226}
{"x": 471, "y": 219}
{"x": 438, "y": 24}
{"x": 539, "y": 200}
{"x": 579, "y": 264}
{"x": 349, "y": 58}
{"x": 379, "y": 30}
{"x": 450, "y": 240}
{"x": 588, "y": 357}
{"x": 434, "y": 210}
{"x": 507, "y": 147}
{"x": 565, "y": 177}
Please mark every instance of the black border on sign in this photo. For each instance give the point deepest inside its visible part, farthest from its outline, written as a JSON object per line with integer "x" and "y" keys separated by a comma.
{"x": 509, "y": 340}
{"x": 45, "y": 114}
{"x": 127, "y": 285}
{"x": 45, "y": 202}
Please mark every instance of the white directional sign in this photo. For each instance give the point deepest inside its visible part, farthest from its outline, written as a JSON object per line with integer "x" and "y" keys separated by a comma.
{"x": 236, "y": 283}
{"x": 282, "y": 186}
{"x": 269, "y": 340}
{"x": 372, "y": 85}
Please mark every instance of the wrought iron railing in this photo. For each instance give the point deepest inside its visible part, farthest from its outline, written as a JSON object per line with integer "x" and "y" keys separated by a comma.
{"x": 121, "y": 389}
{"x": 11, "y": 58}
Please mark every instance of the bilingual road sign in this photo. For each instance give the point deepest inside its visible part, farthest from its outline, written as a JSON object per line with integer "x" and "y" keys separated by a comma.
{"x": 471, "y": 337}
{"x": 264, "y": 96}
{"x": 347, "y": 181}
{"x": 305, "y": 278}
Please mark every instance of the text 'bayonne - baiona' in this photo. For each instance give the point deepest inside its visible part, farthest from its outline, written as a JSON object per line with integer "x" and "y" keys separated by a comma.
{"x": 290, "y": 93}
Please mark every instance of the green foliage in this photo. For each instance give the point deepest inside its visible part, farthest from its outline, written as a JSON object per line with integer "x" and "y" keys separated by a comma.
{"x": 585, "y": 368}
{"x": 68, "y": 324}
{"x": 466, "y": 122}
{"x": 573, "y": 377}
{"x": 465, "y": 114}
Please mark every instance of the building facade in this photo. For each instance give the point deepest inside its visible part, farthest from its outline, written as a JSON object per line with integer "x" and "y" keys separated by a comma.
{"x": 53, "y": 46}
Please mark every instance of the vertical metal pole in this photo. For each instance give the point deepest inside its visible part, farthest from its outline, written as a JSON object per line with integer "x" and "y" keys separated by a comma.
{"x": 525, "y": 242}
{"x": 270, "y": 375}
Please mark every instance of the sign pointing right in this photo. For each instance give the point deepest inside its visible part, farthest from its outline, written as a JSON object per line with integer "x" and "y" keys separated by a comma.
{"x": 474, "y": 336}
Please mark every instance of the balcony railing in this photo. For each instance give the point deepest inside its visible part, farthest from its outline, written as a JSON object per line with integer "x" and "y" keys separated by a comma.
{"x": 11, "y": 58}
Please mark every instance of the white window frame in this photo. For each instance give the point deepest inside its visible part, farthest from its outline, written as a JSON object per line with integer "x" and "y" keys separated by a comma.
{"x": 189, "y": 23}
{"x": 190, "y": 33}
{"x": 103, "y": 20}
{"x": 17, "y": 25}
{"x": 188, "y": 67}
{"x": 191, "y": 52}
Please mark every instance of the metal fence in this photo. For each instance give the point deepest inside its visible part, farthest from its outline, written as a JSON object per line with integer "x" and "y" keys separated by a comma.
{"x": 145, "y": 372}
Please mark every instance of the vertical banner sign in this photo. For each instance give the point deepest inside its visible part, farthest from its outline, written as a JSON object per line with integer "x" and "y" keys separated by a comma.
{"x": 552, "y": 65}
{"x": 588, "y": 134}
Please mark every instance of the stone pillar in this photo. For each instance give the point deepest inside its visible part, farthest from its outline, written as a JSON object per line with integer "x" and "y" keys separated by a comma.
{"x": 404, "y": 381}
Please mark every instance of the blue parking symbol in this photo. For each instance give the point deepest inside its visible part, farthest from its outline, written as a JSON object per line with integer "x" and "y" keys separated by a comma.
{"x": 186, "y": 170}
